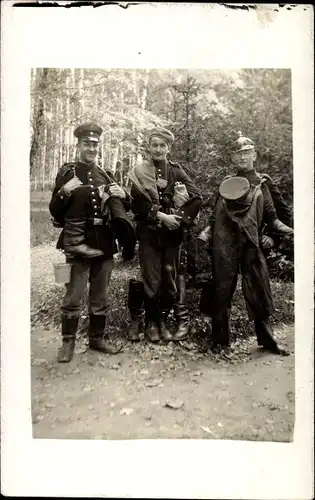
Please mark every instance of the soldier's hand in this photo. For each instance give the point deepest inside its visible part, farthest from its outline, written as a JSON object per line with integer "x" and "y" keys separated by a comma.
{"x": 171, "y": 221}
{"x": 267, "y": 242}
{"x": 115, "y": 190}
{"x": 71, "y": 185}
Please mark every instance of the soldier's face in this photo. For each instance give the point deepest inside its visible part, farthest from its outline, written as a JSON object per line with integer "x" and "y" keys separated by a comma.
{"x": 244, "y": 160}
{"x": 158, "y": 148}
{"x": 88, "y": 150}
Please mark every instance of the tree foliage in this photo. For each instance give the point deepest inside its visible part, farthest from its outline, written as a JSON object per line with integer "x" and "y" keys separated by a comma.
{"x": 204, "y": 108}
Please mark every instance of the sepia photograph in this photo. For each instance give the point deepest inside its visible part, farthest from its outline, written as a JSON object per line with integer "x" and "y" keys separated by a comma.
{"x": 157, "y": 236}
{"x": 162, "y": 262}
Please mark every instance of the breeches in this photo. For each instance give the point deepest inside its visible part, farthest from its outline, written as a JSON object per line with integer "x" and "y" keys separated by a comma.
{"x": 97, "y": 273}
{"x": 255, "y": 281}
{"x": 159, "y": 269}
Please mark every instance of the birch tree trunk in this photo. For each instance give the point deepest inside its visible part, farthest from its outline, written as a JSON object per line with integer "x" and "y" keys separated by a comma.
{"x": 38, "y": 122}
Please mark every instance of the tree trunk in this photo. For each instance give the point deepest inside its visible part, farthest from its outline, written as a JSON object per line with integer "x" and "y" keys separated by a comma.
{"x": 38, "y": 121}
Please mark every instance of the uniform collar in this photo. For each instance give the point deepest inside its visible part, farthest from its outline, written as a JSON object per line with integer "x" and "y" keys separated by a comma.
{"x": 86, "y": 166}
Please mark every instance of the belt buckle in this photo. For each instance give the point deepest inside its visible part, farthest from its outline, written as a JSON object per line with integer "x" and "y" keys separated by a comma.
{"x": 97, "y": 222}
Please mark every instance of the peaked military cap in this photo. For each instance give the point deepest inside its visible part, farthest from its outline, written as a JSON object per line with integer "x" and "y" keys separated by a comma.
{"x": 242, "y": 143}
{"x": 234, "y": 188}
{"x": 163, "y": 133}
{"x": 89, "y": 131}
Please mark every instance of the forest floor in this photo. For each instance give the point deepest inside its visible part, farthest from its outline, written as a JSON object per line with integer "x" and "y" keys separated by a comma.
{"x": 153, "y": 391}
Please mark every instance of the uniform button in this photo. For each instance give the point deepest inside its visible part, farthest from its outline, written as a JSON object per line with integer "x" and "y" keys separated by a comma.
{"x": 92, "y": 186}
{"x": 95, "y": 213}
{"x": 89, "y": 173}
{"x": 93, "y": 192}
{"x": 95, "y": 206}
{"x": 189, "y": 217}
{"x": 61, "y": 197}
{"x": 94, "y": 200}
{"x": 160, "y": 175}
{"x": 159, "y": 170}
{"x": 90, "y": 179}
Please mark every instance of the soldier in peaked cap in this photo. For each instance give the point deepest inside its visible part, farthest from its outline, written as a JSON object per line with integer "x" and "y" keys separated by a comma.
{"x": 87, "y": 202}
{"x": 165, "y": 202}
{"x": 244, "y": 206}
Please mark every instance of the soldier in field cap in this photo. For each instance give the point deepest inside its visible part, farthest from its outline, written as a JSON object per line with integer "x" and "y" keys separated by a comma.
{"x": 165, "y": 202}
{"x": 90, "y": 206}
{"x": 247, "y": 203}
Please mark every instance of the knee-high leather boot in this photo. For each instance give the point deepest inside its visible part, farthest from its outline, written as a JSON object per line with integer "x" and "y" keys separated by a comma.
{"x": 97, "y": 340}
{"x": 135, "y": 306}
{"x": 68, "y": 329}
{"x": 74, "y": 237}
{"x": 181, "y": 311}
{"x": 164, "y": 331}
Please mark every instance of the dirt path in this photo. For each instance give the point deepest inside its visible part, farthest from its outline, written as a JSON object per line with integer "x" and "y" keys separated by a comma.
{"x": 120, "y": 397}
{"x": 128, "y": 395}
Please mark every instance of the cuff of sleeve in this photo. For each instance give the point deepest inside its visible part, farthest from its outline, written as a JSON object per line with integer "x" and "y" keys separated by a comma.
{"x": 153, "y": 211}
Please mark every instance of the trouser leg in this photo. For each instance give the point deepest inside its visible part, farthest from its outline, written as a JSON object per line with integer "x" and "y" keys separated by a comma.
{"x": 169, "y": 289}
{"x": 71, "y": 308}
{"x": 75, "y": 290}
{"x": 225, "y": 280}
{"x": 150, "y": 258}
{"x": 257, "y": 292}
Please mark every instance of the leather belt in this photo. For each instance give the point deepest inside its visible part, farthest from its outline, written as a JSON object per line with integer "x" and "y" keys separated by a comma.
{"x": 97, "y": 222}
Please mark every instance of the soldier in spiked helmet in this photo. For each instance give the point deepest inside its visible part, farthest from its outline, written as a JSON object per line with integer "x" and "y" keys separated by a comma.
{"x": 247, "y": 201}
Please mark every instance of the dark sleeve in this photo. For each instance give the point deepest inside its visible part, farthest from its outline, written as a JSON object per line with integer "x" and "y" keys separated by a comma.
{"x": 143, "y": 208}
{"x": 269, "y": 214}
{"x": 126, "y": 201}
{"x": 59, "y": 200}
{"x": 185, "y": 179}
{"x": 284, "y": 213}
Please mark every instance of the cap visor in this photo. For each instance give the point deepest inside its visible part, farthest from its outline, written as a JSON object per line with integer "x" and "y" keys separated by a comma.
{"x": 244, "y": 148}
{"x": 89, "y": 138}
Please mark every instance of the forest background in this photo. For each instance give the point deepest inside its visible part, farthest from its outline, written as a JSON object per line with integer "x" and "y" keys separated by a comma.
{"x": 205, "y": 109}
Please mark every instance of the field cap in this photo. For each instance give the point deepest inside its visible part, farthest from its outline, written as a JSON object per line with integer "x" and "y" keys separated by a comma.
{"x": 163, "y": 133}
{"x": 89, "y": 131}
{"x": 234, "y": 188}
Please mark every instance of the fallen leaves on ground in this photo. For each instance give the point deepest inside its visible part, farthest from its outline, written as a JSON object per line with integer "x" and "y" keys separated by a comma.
{"x": 126, "y": 411}
{"x": 175, "y": 404}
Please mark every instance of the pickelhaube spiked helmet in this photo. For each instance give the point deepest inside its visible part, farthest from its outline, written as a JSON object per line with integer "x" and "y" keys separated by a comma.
{"x": 242, "y": 143}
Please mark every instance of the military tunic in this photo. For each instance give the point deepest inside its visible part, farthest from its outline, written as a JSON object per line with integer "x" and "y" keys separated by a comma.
{"x": 159, "y": 247}
{"x": 85, "y": 204}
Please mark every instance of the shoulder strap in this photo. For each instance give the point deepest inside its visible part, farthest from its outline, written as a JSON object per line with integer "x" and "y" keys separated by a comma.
{"x": 67, "y": 167}
{"x": 174, "y": 164}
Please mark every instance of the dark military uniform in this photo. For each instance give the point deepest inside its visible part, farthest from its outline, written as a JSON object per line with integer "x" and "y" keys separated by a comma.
{"x": 90, "y": 225}
{"x": 159, "y": 247}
